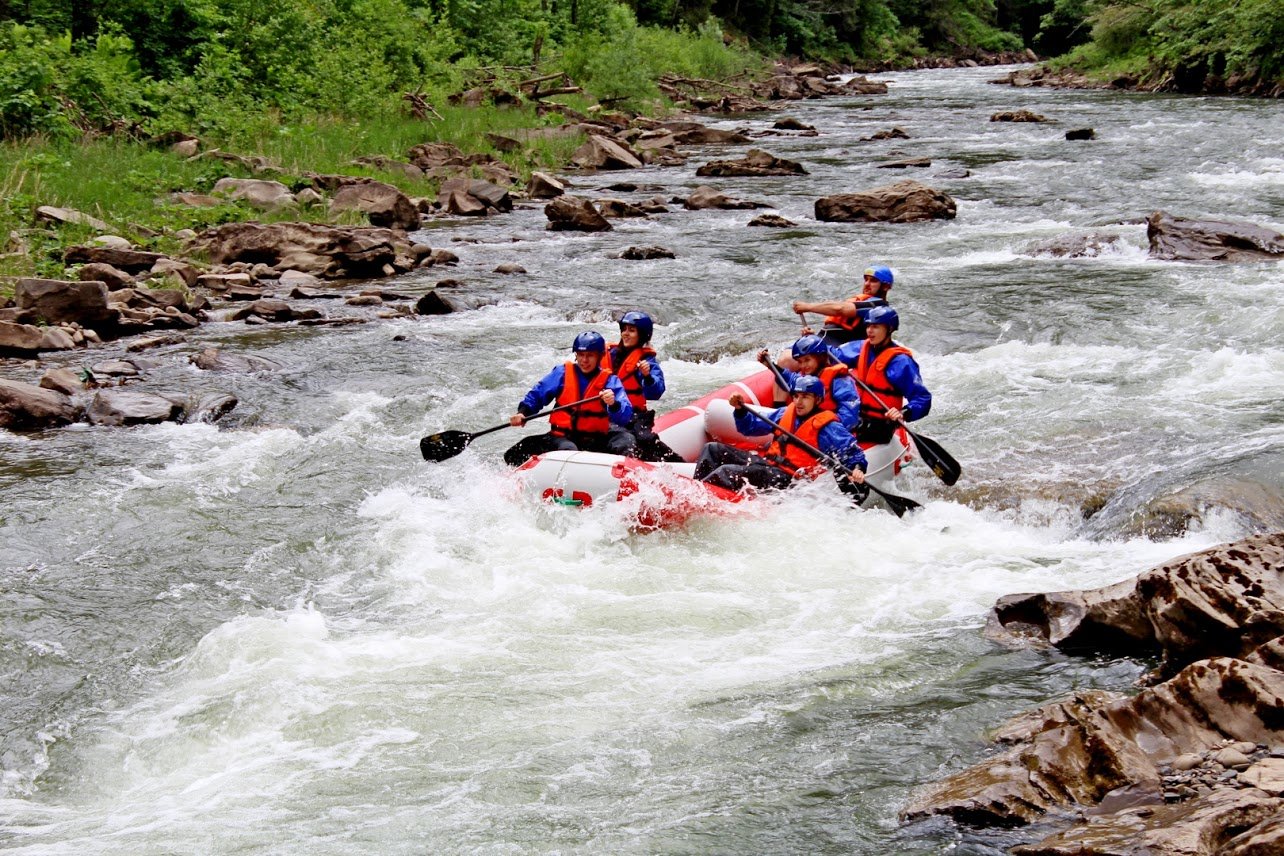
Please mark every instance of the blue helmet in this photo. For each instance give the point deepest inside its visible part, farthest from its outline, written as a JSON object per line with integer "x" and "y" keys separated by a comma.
{"x": 808, "y": 384}
{"x": 809, "y": 346}
{"x": 590, "y": 341}
{"x": 640, "y": 320}
{"x": 882, "y": 273}
{"x": 884, "y": 315}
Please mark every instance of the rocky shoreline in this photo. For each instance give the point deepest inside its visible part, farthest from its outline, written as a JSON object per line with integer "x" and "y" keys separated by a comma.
{"x": 1192, "y": 764}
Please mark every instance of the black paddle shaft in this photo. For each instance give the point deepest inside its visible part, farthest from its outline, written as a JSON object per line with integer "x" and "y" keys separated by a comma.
{"x": 898, "y": 504}
{"x": 446, "y": 444}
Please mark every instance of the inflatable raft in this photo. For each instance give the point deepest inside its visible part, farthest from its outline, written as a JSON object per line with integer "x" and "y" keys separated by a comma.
{"x": 665, "y": 494}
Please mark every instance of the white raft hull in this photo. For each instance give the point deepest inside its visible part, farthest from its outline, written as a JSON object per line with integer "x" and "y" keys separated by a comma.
{"x": 666, "y": 492}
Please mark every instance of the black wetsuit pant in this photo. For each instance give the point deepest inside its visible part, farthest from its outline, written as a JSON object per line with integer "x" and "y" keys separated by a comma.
{"x": 616, "y": 441}
{"x": 876, "y": 431}
{"x": 650, "y": 446}
{"x": 732, "y": 468}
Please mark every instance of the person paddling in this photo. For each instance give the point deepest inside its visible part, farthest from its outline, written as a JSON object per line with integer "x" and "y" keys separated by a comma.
{"x": 845, "y": 319}
{"x": 783, "y": 462}
{"x": 593, "y": 426}
{"x": 633, "y": 361}
{"x": 891, "y": 387}
{"x": 812, "y": 357}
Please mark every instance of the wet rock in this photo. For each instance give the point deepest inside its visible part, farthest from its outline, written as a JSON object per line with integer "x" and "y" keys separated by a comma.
{"x": 64, "y": 380}
{"x": 216, "y": 360}
{"x": 644, "y": 253}
{"x": 1187, "y": 828}
{"x": 902, "y": 202}
{"x": 1182, "y": 239}
{"x": 116, "y": 368}
{"x": 702, "y": 136}
{"x": 705, "y": 197}
{"x": 147, "y": 342}
{"x": 436, "y": 303}
{"x": 1018, "y": 116}
{"x": 789, "y": 123}
{"x": 25, "y": 407}
{"x": 510, "y": 268}
{"x": 573, "y": 213}
{"x": 1073, "y": 753}
{"x": 618, "y": 208}
{"x": 1086, "y": 246}
{"x": 892, "y": 134}
{"x": 128, "y": 407}
{"x": 1081, "y": 134}
{"x": 211, "y": 408}
{"x": 918, "y": 163}
{"x": 224, "y": 281}
{"x": 755, "y": 163}
{"x": 268, "y": 309}
{"x": 772, "y": 220}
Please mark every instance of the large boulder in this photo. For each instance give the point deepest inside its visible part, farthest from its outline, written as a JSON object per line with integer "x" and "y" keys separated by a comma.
{"x": 599, "y": 152}
{"x": 755, "y": 163}
{"x": 256, "y": 192}
{"x": 25, "y": 407}
{"x": 384, "y": 204}
{"x": 129, "y": 407}
{"x": 20, "y": 340}
{"x": 327, "y": 251}
{"x": 704, "y": 197}
{"x": 57, "y": 302}
{"x": 471, "y": 196}
{"x": 1181, "y": 239}
{"x": 903, "y": 202}
{"x": 1227, "y": 601}
{"x": 1076, "y": 753}
{"x": 574, "y": 214}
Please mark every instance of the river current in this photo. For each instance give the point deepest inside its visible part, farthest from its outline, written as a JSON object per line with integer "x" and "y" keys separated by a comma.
{"x": 291, "y": 634}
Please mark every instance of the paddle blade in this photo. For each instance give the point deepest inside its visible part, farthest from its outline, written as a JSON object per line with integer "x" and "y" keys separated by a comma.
{"x": 898, "y": 504}
{"x": 937, "y": 459}
{"x": 444, "y": 444}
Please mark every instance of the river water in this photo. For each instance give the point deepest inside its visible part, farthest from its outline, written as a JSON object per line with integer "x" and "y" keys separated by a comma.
{"x": 290, "y": 634}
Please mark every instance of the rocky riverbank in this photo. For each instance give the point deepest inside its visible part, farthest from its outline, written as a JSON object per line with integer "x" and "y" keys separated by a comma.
{"x": 1191, "y": 764}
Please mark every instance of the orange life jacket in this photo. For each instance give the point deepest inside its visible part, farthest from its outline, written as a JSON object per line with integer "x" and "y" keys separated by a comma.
{"x": 630, "y": 377}
{"x": 591, "y": 417}
{"x": 827, "y": 375}
{"x": 791, "y": 457}
{"x": 873, "y": 374}
{"x": 853, "y": 323}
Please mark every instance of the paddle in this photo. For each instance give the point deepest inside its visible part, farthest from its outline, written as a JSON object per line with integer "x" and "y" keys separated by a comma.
{"x": 898, "y": 504}
{"x": 447, "y": 444}
{"x": 933, "y": 454}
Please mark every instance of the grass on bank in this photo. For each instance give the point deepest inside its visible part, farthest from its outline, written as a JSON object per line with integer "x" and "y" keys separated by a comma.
{"x": 128, "y": 184}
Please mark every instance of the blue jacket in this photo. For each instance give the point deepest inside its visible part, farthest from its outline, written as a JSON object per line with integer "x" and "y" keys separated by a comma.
{"x": 550, "y": 386}
{"x": 834, "y": 438}
{"x": 652, "y": 384}
{"x": 902, "y": 374}
{"x": 845, "y": 395}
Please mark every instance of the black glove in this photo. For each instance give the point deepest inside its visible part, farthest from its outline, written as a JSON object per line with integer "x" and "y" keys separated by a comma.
{"x": 856, "y": 491}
